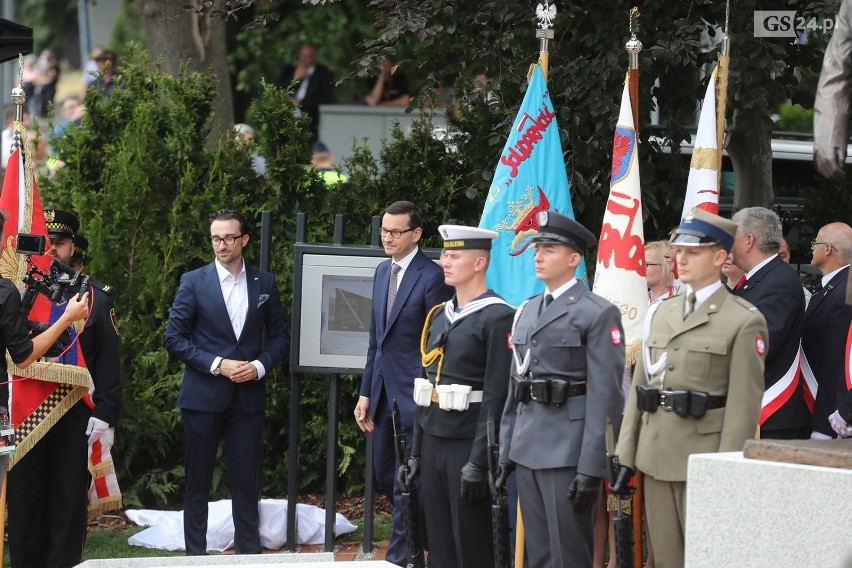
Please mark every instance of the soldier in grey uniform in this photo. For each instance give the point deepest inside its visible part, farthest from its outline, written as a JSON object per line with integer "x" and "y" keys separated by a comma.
{"x": 466, "y": 358}
{"x": 698, "y": 382}
{"x": 566, "y": 380}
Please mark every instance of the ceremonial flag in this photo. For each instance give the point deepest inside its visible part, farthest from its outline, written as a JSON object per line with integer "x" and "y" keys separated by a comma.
{"x": 529, "y": 178}
{"x": 702, "y": 188}
{"x": 620, "y": 268}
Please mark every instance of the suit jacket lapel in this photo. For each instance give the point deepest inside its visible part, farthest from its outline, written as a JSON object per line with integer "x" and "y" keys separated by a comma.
{"x": 838, "y": 281}
{"x": 217, "y": 300}
{"x": 412, "y": 274}
{"x": 381, "y": 300}
{"x": 559, "y": 305}
{"x": 755, "y": 280}
{"x": 253, "y": 289}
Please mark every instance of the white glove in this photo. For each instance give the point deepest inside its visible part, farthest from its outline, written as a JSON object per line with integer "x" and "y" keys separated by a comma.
{"x": 95, "y": 428}
{"x": 839, "y": 425}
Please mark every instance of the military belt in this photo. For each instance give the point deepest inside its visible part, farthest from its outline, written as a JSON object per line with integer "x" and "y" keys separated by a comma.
{"x": 526, "y": 388}
{"x": 681, "y": 402}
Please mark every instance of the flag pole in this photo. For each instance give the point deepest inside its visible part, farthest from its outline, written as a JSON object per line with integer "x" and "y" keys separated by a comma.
{"x": 633, "y": 47}
{"x": 722, "y": 94}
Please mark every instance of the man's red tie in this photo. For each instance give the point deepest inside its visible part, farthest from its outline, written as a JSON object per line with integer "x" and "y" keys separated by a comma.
{"x": 741, "y": 283}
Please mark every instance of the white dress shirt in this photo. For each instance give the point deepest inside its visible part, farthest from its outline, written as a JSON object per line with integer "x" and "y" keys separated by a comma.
{"x": 235, "y": 294}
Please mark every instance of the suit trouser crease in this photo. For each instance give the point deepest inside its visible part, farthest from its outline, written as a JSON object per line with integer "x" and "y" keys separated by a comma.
{"x": 242, "y": 433}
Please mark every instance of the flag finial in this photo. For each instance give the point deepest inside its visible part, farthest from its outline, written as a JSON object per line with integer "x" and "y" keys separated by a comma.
{"x": 545, "y": 13}
{"x": 633, "y": 45}
{"x": 19, "y": 96}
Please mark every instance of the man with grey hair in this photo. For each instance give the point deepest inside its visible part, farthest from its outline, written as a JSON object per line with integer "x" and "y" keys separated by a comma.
{"x": 826, "y": 326}
{"x": 774, "y": 288}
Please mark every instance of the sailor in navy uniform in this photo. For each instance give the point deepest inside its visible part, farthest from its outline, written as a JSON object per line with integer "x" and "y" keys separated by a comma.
{"x": 466, "y": 358}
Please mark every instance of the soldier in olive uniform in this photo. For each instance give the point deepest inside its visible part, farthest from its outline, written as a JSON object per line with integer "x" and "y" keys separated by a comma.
{"x": 698, "y": 382}
{"x": 466, "y": 358}
{"x": 566, "y": 380}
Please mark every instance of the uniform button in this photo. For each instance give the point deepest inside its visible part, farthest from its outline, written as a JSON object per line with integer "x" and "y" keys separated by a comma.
{"x": 384, "y": 351}
{"x": 535, "y": 341}
{"x": 671, "y": 367}
{"x": 535, "y": 361}
{"x": 676, "y": 347}
{"x": 706, "y": 347}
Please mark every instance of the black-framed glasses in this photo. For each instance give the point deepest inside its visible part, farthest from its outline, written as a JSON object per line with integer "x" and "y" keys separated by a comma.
{"x": 394, "y": 233}
{"x": 652, "y": 264}
{"x": 815, "y": 243}
{"x": 229, "y": 240}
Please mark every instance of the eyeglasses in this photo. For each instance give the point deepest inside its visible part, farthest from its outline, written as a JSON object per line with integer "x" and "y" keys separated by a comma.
{"x": 815, "y": 243}
{"x": 652, "y": 264}
{"x": 394, "y": 233}
{"x": 216, "y": 241}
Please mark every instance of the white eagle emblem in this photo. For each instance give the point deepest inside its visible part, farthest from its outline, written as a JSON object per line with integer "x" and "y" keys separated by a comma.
{"x": 545, "y": 14}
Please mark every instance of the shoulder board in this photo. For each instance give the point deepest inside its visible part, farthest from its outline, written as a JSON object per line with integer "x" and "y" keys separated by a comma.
{"x": 105, "y": 288}
{"x": 744, "y": 303}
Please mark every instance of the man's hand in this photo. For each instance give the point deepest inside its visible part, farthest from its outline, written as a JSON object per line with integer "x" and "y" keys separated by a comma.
{"x": 229, "y": 366}
{"x": 95, "y": 428}
{"x": 839, "y": 425}
{"x": 473, "y": 482}
{"x": 362, "y": 414}
{"x": 621, "y": 487}
{"x": 404, "y": 481}
{"x": 584, "y": 491}
{"x": 244, "y": 372}
{"x": 504, "y": 470}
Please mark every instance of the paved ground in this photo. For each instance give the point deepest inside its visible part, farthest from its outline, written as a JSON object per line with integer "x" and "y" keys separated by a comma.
{"x": 345, "y": 552}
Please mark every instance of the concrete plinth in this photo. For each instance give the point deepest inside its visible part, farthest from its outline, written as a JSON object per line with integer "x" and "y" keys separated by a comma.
{"x": 744, "y": 512}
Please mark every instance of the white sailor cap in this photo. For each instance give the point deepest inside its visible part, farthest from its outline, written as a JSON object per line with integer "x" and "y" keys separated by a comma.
{"x": 461, "y": 237}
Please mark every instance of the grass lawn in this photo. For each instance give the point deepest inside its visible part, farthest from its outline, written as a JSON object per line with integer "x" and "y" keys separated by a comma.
{"x": 112, "y": 543}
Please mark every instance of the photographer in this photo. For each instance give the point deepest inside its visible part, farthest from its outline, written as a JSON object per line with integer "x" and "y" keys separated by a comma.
{"x": 48, "y": 486}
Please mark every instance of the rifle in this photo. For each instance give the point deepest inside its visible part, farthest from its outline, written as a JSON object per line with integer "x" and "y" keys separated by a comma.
{"x": 409, "y": 496}
{"x": 622, "y": 526}
{"x": 499, "y": 508}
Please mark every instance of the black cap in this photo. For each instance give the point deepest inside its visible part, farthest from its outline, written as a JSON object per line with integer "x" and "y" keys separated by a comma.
{"x": 554, "y": 227}
{"x": 61, "y": 223}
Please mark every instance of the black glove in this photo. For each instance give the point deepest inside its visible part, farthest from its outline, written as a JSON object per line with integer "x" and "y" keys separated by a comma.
{"x": 584, "y": 491}
{"x": 474, "y": 480}
{"x": 621, "y": 488}
{"x": 504, "y": 470}
{"x": 404, "y": 481}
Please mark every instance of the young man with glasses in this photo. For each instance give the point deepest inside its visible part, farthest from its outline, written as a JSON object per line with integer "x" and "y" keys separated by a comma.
{"x": 774, "y": 288}
{"x": 405, "y": 288}
{"x": 216, "y": 327}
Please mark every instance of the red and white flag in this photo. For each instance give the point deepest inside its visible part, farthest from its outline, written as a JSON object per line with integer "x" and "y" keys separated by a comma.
{"x": 620, "y": 268}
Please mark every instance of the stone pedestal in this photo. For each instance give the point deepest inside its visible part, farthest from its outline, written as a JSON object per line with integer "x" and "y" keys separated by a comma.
{"x": 744, "y": 512}
{"x": 319, "y": 560}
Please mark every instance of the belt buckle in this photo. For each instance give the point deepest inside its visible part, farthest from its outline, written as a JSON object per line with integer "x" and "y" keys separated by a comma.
{"x": 666, "y": 400}
{"x": 532, "y": 394}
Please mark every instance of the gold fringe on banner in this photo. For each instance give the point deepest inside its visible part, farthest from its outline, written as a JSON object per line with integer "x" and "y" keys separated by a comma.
{"x": 631, "y": 353}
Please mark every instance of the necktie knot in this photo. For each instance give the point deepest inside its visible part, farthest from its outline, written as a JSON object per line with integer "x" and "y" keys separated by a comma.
{"x": 548, "y": 299}
{"x": 691, "y": 300}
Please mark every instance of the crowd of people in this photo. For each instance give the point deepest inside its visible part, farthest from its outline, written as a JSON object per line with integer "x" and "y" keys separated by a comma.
{"x": 720, "y": 363}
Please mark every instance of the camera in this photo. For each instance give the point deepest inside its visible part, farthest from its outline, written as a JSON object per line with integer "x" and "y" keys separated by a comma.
{"x": 49, "y": 283}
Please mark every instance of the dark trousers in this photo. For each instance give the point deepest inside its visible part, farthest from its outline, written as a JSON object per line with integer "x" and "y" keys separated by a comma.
{"x": 459, "y": 531}
{"x": 797, "y": 433}
{"x": 385, "y": 466}
{"x": 242, "y": 434}
{"x": 554, "y": 535}
{"x": 47, "y": 495}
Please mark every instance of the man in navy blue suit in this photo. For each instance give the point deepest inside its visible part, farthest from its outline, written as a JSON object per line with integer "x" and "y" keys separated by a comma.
{"x": 774, "y": 288}
{"x": 216, "y": 327}
{"x": 405, "y": 288}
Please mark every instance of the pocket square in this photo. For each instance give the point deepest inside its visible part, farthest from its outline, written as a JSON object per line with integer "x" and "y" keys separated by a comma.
{"x": 262, "y": 299}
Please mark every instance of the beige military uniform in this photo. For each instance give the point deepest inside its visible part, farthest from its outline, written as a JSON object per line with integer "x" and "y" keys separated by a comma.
{"x": 718, "y": 349}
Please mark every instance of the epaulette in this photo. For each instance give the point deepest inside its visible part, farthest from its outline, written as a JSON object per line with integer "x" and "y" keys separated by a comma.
{"x": 105, "y": 288}
{"x": 744, "y": 303}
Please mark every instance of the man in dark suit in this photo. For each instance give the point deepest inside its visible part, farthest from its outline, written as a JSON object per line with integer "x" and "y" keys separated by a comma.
{"x": 216, "y": 328}
{"x": 405, "y": 288}
{"x": 774, "y": 288}
{"x": 313, "y": 85}
{"x": 826, "y": 325}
